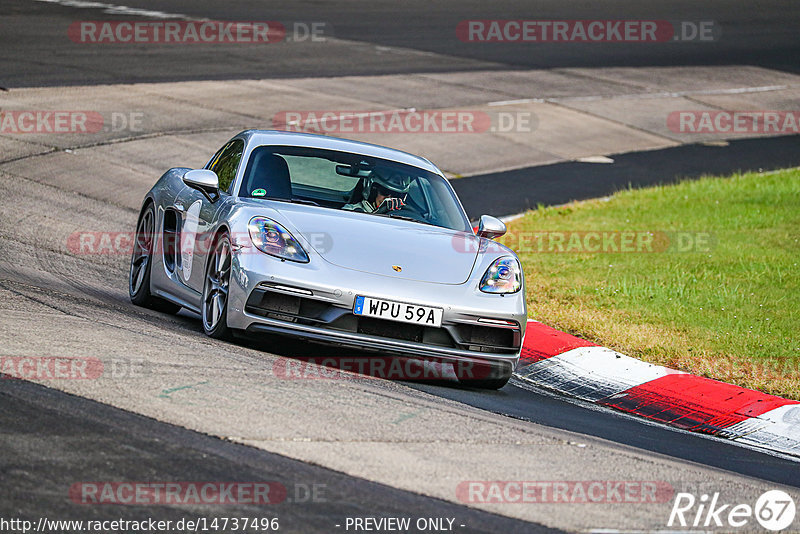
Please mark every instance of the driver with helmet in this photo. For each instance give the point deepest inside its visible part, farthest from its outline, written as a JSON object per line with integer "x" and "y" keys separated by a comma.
{"x": 381, "y": 192}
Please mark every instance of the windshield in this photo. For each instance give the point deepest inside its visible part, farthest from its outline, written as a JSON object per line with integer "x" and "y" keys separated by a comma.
{"x": 353, "y": 182}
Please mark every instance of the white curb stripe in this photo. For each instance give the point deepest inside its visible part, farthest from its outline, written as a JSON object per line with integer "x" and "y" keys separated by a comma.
{"x": 777, "y": 429}
{"x": 592, "y": 373}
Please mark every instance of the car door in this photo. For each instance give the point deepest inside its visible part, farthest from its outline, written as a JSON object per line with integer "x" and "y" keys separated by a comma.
{"x": 198, "y": 215}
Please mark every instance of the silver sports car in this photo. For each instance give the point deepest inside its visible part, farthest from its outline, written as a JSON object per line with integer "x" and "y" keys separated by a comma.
{"x": 332, "y": 241}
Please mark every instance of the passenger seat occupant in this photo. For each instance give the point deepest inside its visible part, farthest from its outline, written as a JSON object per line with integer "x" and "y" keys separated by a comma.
{"x": 269, "y": 173}
{"x": 381, "y": 192}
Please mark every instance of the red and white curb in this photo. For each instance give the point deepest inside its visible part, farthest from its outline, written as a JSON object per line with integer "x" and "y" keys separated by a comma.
{"x": 572, "y": 366}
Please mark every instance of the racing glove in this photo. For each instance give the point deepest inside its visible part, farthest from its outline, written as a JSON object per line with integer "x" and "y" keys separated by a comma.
{"x": 391, "y": 204}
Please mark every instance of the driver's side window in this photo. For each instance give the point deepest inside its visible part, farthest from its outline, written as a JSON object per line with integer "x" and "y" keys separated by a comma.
{"x": 226, "y": 162}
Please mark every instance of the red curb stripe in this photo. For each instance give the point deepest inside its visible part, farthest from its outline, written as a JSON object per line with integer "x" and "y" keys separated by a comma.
{"x": 542, "y": 342}
{"x": 694, "y": 403}
{"x": 680, "y": 400}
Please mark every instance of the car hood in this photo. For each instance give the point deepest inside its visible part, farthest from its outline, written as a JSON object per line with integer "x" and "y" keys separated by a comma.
{"x": 381, "y": 245}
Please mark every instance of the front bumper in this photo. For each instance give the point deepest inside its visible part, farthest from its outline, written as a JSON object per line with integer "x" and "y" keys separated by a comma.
{"x": 465, "y": 364}
{"x": 477, "y": 328}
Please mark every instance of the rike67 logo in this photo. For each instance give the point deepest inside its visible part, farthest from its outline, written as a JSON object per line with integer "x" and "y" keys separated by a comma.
{"x": 774, "y": 510}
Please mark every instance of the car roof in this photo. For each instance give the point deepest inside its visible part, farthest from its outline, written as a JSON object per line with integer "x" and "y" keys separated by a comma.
{"x": 282, "y": 138}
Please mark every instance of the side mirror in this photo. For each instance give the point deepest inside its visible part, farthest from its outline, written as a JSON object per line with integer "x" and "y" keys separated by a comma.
{"x": 204, "y": 181}
{"x": 490, "y": 227}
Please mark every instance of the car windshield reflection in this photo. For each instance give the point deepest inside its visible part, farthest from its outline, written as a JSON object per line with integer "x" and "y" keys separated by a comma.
{"x": 352, "y": 182}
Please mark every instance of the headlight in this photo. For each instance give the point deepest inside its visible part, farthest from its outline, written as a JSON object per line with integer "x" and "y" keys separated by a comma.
{"x": 272, "y": 238}
{"x": 504, "y": 275}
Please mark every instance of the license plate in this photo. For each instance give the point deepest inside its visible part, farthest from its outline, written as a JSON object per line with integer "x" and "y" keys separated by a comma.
{"x": 398, "y": 311}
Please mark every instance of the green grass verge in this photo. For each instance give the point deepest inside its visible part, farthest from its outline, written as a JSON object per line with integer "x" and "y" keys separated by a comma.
{"x": 709, "y": 283}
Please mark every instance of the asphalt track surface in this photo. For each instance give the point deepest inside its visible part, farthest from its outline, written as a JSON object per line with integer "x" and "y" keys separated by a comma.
{"x": 40, "y": 424}
{"x": 574, "y": 180}
{"x": 413, "y": 36}
{"x": 43, "y": 428}
{"x": 530, "y": 403}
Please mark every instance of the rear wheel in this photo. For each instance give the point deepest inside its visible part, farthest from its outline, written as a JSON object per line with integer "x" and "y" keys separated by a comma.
{"x": 215, "y": 289}
{"x": 142, "y": 262}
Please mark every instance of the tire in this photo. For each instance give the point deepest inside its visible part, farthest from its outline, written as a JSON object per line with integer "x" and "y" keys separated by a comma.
{"x": 215, "y": 289}
{"x": 142, "y": 263}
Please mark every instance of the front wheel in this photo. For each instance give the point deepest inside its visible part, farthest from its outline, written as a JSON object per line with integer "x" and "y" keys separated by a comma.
{"x": 142, "y": 263}
{"x": 215, "y": 289}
